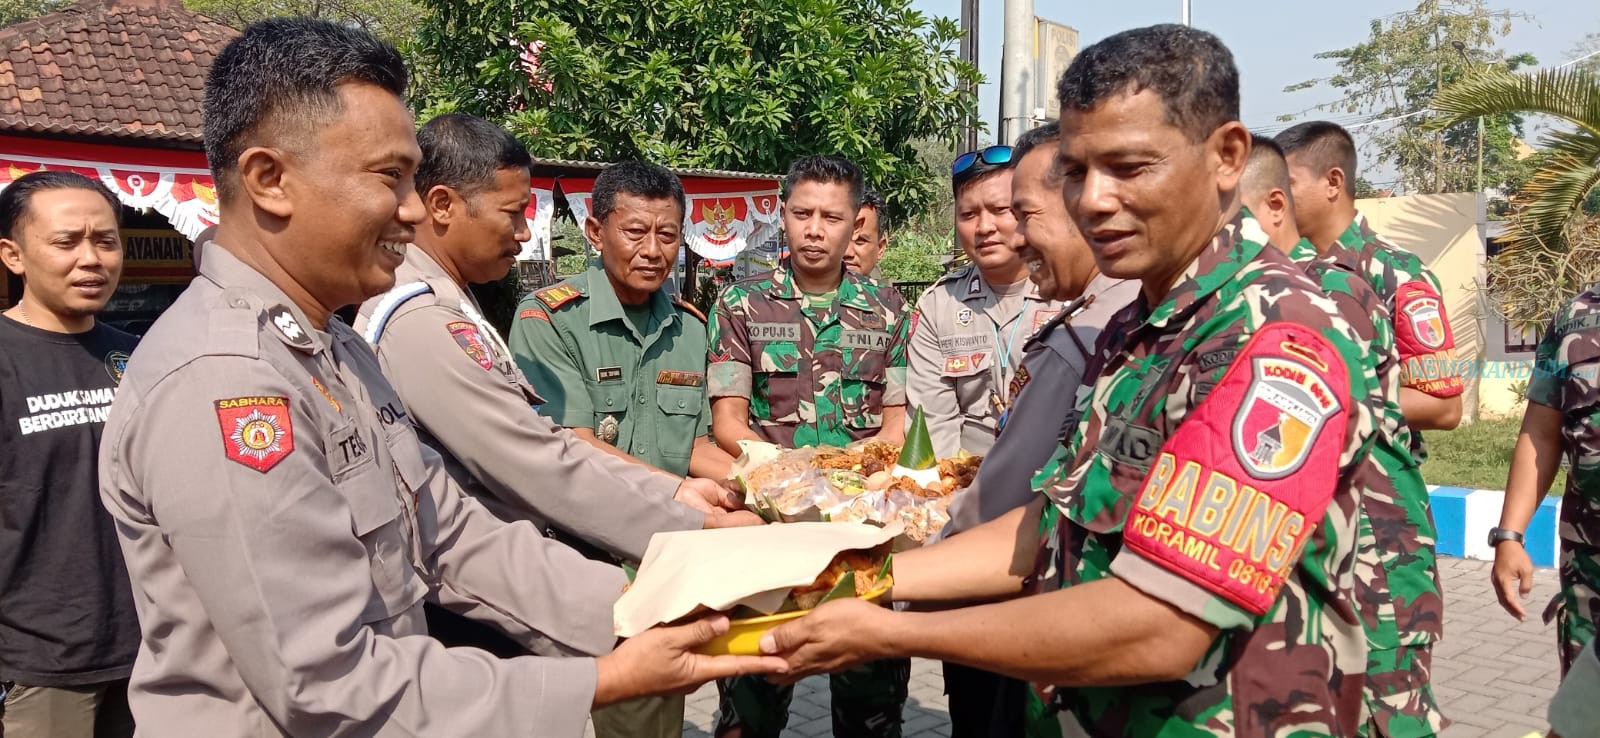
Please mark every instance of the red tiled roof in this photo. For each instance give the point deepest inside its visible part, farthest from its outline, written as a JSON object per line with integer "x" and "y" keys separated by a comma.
{"x": 110, "y": 68}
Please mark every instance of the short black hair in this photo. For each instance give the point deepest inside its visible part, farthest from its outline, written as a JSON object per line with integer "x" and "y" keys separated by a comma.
{"x": 872, "y": 198}
{"x": 638, "y": 178}
{"x": 1322, "y": 145}
{"x": 16, "y": 198}
{"x": 1266, "y": 170}
{"x": 1191, "y": 70}
{"x": 1049, "y": 133}
{"x": 463, "y": 152}
{"x": 285, "y": 71}
{"x": 827, "y": 170}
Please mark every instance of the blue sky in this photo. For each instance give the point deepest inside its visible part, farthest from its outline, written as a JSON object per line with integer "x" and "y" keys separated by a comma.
{"x": 1272, "y": 40}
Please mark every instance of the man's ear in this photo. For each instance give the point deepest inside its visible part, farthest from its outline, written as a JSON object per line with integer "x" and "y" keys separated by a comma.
{"x": 11, "y": 255}
{"x": 1335, "y": 183}
{"x": 263, "y": 174}
{"x": 1229, "y": 147}
{"x": 440, "y": 202}
{"x": 591, "y": 231}
{"x": 1278, "y": 203}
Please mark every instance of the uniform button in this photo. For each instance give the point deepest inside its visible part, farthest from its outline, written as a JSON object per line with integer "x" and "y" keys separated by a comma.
{"x": 610, "y": 402}
{"x": 681, "y": 404}
{"x": 641, "y": 399}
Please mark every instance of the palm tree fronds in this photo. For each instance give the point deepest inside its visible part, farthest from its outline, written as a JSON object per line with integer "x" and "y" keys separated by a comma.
{"x": 1569, "y": 94}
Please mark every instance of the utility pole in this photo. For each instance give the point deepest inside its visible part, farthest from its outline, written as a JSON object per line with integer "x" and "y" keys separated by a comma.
{"x": 1461, "y": 48}
{"x": 969, "y": 52}
{"x": 1016, "y": 71}
{"x": 1186, "y": 12}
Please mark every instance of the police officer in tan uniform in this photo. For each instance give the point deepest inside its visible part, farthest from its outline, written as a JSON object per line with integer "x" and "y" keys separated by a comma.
{"x": 463, "y": 387}
{"x": 281, "y": 522}
{"x": 969, "y": 328}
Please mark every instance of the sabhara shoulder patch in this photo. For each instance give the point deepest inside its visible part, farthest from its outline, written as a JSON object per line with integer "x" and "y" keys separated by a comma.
{"x": 471, "y": 342}
{"x": 1219, "y": 506}
{"x": 558, "y": 295}
{"x": 256, "y": 431}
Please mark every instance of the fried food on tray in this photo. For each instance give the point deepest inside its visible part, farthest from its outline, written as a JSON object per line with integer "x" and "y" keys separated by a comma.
{"x": 865, "y": 565}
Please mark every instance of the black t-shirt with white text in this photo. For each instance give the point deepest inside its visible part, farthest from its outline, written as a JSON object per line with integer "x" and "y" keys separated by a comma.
{"x": 66, "y": 609}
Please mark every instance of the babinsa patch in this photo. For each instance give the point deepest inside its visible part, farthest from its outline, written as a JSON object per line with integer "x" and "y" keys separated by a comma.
{"x": 1427, "y": 320}
{"x": 467, "y": 337}
{"x": 256, "y": 431}
{"x": 1282, "y": 413}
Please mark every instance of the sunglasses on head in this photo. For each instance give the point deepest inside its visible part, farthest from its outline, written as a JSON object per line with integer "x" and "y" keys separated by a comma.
{"x": 994, "y": 155}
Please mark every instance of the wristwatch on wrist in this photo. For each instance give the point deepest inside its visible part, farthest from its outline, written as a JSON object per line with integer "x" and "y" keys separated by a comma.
{"x": 1498, "y": 534}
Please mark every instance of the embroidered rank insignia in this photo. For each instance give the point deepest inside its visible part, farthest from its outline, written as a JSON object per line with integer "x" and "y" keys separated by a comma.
{"x": 256, "y": 431}
{"x": 325, "y": 393}
{"x": 558, "y": 295}
{"x": 471, "y": 342}
{"x": 964, "y": 317}
{"x": 975, "y": 285}
{"x": 288, "y": 327}
{"x": 681, "y": 378}
{"x": 534, "y": 313}
{"x": 116, "y": 365}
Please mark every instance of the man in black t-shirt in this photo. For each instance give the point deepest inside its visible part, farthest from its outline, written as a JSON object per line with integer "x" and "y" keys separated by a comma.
{"x": 68, "y": 631}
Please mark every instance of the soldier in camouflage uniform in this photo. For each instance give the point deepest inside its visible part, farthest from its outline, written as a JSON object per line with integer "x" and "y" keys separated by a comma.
{"x": 1396, "y": 576}
{"x": 1322, "y": 165}
{"x": 1562, "y": 419}
{"x": 1207, "y": 498}
{"x": 812, "y": 354}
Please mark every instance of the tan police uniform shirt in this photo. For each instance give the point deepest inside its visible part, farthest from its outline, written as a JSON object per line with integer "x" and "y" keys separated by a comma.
{"x": 282, "y": 526}
{"x": 967, "y": 339}
{"x": 470, "y": 401}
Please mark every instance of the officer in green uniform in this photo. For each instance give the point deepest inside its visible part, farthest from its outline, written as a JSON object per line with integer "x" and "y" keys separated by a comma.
{"x": 812, "y": 354}
{"x": 618, "y": 361}
{"x": 622, "y": 365}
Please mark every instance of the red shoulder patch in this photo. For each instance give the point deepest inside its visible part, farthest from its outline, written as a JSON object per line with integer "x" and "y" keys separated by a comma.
{"x": 558, "y": 295}
{"x": 471, "y": 342}
{"x": 1424, "y": 341}
{"x": 534, "y": 313}
{"x": 256, "y": 431}
{"x": 1235, "y": 493}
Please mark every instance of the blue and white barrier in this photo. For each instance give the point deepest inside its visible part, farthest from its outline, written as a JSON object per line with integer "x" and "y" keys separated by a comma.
{"x": 1464, "y": 517}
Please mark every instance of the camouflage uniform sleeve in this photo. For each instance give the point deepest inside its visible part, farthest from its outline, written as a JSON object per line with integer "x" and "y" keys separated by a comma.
{"x": 1424, "y": 341}
{"x": 549, "y": 363}
{"x": 729, "y": 360}
{"x": 1544, "y": 387}
{"x": 894, "y": 392}
{"x": 1236, "y": 491}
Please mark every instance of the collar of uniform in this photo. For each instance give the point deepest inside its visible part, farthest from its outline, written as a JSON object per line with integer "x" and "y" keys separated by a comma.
{"x": 228, "y": 272}
{"x": 1303, "y": 251}
{"x": 604, "y": 305}
{"x": 1236, "y": 244}
{"x": 420, "y": 265}
{"x": 1358, "y": 235}
{"x": 852, "y": 288}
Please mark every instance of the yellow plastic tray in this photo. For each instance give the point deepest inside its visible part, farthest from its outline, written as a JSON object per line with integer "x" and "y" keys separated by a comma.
{"x": 744, "y": 635}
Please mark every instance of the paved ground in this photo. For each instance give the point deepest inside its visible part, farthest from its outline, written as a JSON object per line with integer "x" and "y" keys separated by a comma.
{"x": 1493, "y": 675}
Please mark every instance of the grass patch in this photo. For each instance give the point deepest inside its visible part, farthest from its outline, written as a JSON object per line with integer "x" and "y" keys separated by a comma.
{"x": 1476, "y": 455}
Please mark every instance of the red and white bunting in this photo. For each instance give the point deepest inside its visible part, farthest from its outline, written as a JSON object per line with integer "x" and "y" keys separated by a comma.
{"x": 725, "y": 216}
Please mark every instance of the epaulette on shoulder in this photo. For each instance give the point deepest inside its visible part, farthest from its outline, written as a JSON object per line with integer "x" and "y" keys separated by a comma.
{"x": 689, "y": 308}
{"x": 558, "y": 295}
{"x": 955, "y": 274}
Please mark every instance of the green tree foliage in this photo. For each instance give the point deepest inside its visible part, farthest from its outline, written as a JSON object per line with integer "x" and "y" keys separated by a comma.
{"x": 395, "y": 20}
{"x": 723, "y": 84}
{"x": 17, "y": 11}
{"x": 1551, "y": 245}
{"x": 1405, "y": 60}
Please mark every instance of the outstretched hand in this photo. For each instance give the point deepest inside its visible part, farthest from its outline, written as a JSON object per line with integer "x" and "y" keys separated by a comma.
{"x": 707, "y": 495}
{"x": 836, "y": 636}
{"x": 662, "y": 661}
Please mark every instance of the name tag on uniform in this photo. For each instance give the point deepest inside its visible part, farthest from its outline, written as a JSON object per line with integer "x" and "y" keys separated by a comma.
{"x": 869, "y": 340}
{"x": 680, "y": 378}
{"x": 608, "y": 373}
{"x": 953, "y": 344}
{"x": 774, "y": 331}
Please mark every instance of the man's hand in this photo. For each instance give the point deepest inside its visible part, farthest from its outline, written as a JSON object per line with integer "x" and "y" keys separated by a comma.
{"x": 707, "y": 495}
{"x": 834, "y": 637}
{"x": 1512, "y": 577}
{"x": 662, "y": 661}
